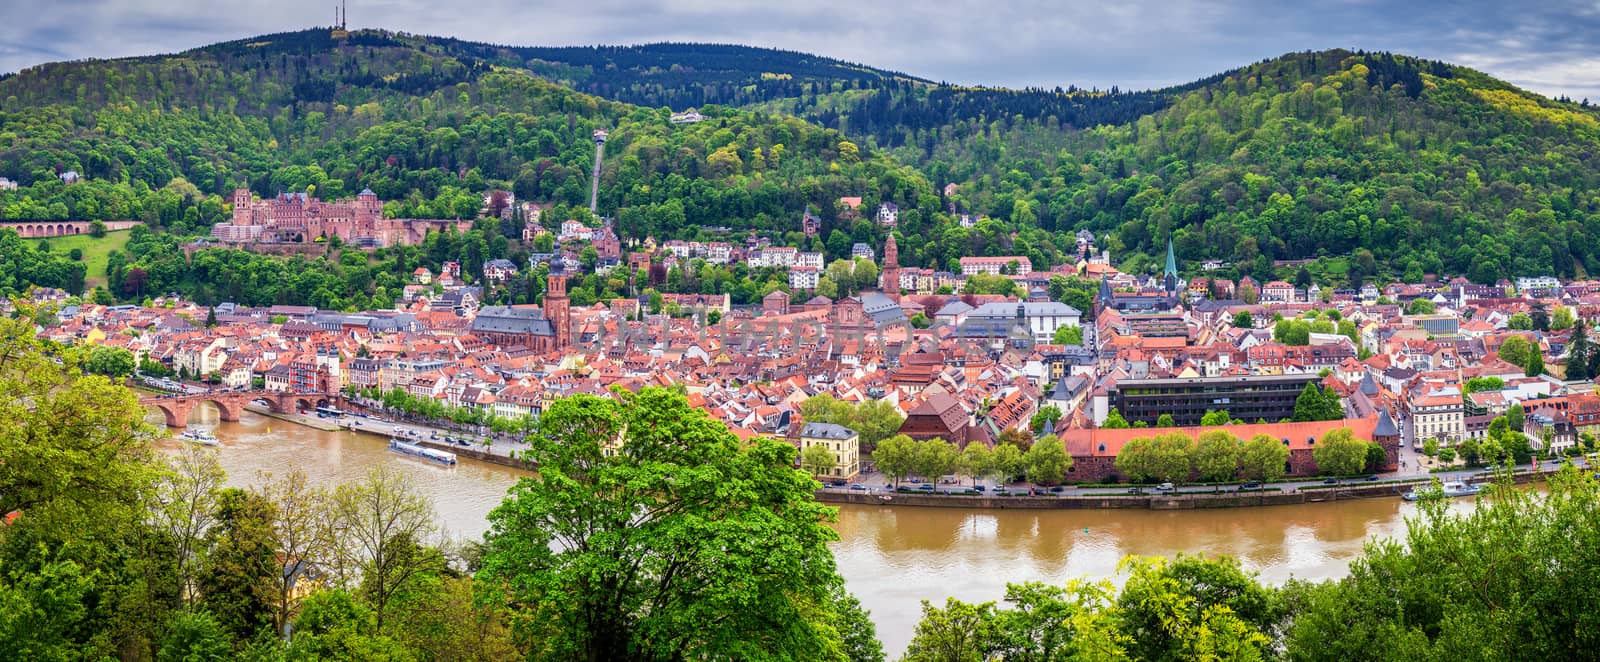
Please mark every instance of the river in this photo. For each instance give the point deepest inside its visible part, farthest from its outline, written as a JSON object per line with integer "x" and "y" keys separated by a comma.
{"x": 891, "y": 557}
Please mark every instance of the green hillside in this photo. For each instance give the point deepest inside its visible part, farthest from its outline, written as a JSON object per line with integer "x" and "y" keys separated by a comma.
{"x": 426, "y": 123}
{"x": 1383, "y": 165}
{"x": 1426, "y": 166}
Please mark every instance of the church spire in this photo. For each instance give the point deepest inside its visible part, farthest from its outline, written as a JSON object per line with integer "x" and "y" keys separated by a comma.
{"x": 1172, "y": 261}
{"x": 1169, "y": 277}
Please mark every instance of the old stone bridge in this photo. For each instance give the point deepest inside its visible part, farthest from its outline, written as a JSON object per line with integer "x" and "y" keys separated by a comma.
{"x": 176, "y": 407}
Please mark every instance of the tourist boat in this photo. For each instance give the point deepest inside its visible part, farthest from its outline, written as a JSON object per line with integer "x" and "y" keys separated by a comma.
{"x": 201, "y": 437}
{"x": 407, "y": 448}
{"x": 1454, "y": 488}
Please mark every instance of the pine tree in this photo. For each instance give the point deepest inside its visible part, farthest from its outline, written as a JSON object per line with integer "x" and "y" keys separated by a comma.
{"x": 1578, "y": 351}
{"x": 211, "y": 317}
{"x": 1535, "y": 364}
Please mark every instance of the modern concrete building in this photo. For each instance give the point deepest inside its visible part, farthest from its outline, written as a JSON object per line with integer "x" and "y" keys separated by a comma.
{"x": 1247, "y": 397}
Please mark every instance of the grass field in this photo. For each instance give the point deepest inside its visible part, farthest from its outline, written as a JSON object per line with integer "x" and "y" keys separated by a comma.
{"x": 95, "y": 251}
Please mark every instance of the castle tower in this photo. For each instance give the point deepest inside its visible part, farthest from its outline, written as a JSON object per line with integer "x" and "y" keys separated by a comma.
{"x": 891, "y": 267}
{"x": 241, "y": 207}
{"x": 556, "y": 310}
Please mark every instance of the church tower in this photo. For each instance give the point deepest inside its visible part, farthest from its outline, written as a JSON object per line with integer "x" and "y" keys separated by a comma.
{"x": 891, "y": 267}
{"x": 1169, "y": 277}
{"x": 556, "y": 309}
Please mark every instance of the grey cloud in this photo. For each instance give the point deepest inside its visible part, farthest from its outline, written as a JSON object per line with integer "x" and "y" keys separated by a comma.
{"x": 1549, "y": 47}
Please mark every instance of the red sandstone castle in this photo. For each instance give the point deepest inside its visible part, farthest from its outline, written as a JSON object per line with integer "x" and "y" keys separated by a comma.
{"x": 297, "y": 217}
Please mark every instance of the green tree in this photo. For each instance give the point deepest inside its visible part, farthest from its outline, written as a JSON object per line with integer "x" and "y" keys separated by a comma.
{"x": 1243, "y": 320}
{"x": 817, "y": 460}
{"x": 115, "y": 362}
{"x": 1535, "y": 366}
{"x": 1339, "y": 453}
{"x": 1263, "y": 458}
{"x": 1047, "y": 461}
{"x": 1515, "y": 350}
{"x": 1579, "y": 352}
{"x": 383, "y": 519}
{"x": 1217, "y": 456}
{"x": 1114, "y": 420}
{"x": 960, "y": 632}
{"x": 1376, "y": 457}
{"x": 1562, "y": 319}
{"x": 1006, "y": 462}
{"x": 1515, "y": 418}
{"x": 1439, "y": 606}
{"x": 1046, "y": 414}
{"x": 1520, "y": 322}
{"x": 977, "y": 461}
{"x": 1430, "y": 447}
{"x": 1420, "y": 306}
{"x": 1213, "y": 418}
{"x": 1165, "y": 421}
{"x": 1068, "y": 335}
{"x": 935, "y": 458}
{"x": 186, "y": 497}
{"x": 1195, "y": 608}
{"x": 659, "y": 549}
{"x": 240, "y": 568}
{"x": 195, "y": 637}
{"x": 895, "y": 457}
{"x": 304, "y": 531}
{"x": 1314, "y": 405}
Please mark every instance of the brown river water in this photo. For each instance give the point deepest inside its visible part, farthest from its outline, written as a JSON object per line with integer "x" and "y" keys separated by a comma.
{"x": 890, "y": 557}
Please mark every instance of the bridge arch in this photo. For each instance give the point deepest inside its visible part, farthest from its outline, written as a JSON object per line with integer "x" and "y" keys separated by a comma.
{"x": 176, "y": 410}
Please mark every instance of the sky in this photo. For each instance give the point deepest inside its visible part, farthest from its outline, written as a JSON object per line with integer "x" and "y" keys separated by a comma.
{"x": 1550, "y": 47}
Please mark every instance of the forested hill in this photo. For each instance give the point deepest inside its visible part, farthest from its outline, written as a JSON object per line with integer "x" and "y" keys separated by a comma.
{"x": 427, "y": 123}
{"x": 1379, "y": 164}
{"x": 1405, "y": 166}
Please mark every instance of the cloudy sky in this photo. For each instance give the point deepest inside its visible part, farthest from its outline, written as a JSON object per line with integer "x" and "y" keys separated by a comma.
{"x": 1551, "y": 46}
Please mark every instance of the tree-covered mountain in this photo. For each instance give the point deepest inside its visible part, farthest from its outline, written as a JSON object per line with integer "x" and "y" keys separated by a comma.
{"x": 1380, "y": 164}
{"x": 428, "y": 124}
{"x": 1396, "y": 162}
{"x": 1378, "y": 161}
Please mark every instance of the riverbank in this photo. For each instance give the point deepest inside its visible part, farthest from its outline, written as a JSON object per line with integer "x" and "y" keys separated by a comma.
{"x": 298, "y": 419}
{"x": 1182, "y": 501}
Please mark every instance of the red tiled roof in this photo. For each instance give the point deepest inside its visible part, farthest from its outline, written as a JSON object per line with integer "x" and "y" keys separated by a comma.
{"x": 1087, "y": 442}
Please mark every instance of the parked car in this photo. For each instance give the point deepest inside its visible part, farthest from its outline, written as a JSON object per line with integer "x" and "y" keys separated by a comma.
{"x": 1135, "y": 490}
{"x": 1252, "y": 485}
{"x": 1330, "y": 481}
{"x": 1058, "y": 489}
{"x": 859, "y": 487}
{"x": 1371, "y": 477}
{"x": 979, "y": 488}
{"x": 1165, "y": 487}
{"x": 926, "y": 487}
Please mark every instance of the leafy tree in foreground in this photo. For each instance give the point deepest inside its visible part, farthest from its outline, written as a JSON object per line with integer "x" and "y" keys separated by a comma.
{"x": 683, "y": 543}
{"x": 237, "y": 578}
{"x": 1441, "y": 591}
